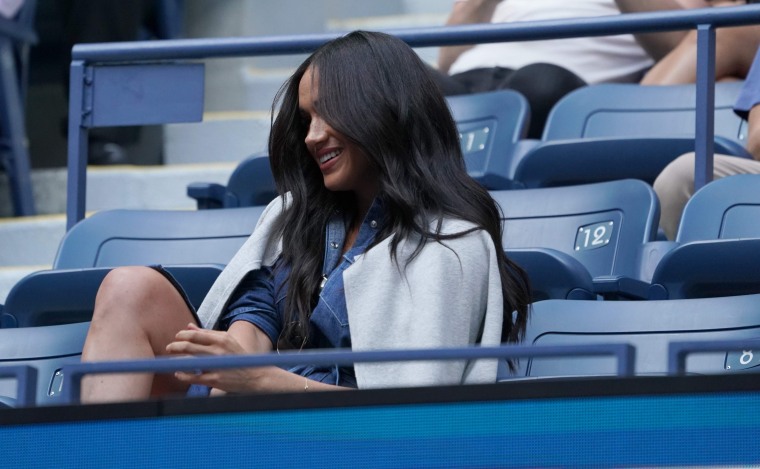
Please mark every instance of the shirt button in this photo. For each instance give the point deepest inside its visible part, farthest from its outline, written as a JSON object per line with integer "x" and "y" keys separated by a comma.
{"x": 334, "y": 245}
{"x": 373, "y": 224}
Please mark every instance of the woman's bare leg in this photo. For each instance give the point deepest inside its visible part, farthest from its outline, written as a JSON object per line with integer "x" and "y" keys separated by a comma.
{"x": 137, "y": 313}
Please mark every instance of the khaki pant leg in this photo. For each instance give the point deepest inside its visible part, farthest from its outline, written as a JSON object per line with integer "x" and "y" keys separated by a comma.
{"x": 675, "y": 185}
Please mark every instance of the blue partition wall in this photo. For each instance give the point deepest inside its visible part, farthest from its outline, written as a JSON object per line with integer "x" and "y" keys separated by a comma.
{"x": 655, "y": 428}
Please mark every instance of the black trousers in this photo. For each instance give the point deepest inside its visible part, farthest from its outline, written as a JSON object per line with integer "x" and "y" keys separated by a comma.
{"x": 542, "y": 85}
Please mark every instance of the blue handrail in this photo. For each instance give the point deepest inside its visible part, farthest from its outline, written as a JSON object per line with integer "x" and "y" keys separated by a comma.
{"x": 26, "y": 383}
{"x": 73, "y": 373}
{"x": 422, "y": 37}
{"x": 679, "y": 351}
{"x": 85, "y": 56}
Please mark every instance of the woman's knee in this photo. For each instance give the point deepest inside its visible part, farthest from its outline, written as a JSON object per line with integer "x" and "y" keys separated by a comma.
{"x": 677, "y": 177}
{"x": 131, "y": 288}
{"x": 674, "y": 186}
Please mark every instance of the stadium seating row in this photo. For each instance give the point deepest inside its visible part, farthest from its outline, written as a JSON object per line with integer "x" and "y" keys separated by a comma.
{"x": 576, "y": 242}
{"x": 596, "y": 133}
{"x": 606, "y": 249}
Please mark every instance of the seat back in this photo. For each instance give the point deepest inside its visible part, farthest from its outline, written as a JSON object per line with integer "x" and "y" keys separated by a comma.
{"x": 251, "y": 183}
{"x": 632, "y": 110}
{"x": 727, "y": 208}
{"x": 648, "y": 325}
{"x": 193, "y": 245}
{"x": 139, "y": 237}
{"x": 616, "y": 131}
{"x": 718, "y": 242}
{"x": 490, "y": 125}
{"x": 602, "y": 225}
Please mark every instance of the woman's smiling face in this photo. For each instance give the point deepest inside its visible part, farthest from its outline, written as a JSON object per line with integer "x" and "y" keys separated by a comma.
{"x": 343, "y": 164}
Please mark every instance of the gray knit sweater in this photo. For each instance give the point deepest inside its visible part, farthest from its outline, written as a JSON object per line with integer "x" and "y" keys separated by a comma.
{"x": 448, "y": 296}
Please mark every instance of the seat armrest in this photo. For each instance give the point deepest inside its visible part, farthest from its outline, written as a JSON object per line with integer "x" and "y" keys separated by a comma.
{"x": 650, "y": 254}
{"x": 553, "y": 274}
{"x": 712, "y": 268}
{"x": 207, "y": 194}
{"x": 66, "y": 296}
{"x": 726, "y": 146}
{"x": 619, "y": 286}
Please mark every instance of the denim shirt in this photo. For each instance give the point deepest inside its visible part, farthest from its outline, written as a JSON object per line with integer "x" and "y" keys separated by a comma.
{"x": 260, "y": 297}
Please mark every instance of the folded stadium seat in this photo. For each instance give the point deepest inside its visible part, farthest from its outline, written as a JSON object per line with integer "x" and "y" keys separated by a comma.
{"x": 193, "y": 245}
{"x": 251, "y": 183}
{"x": 616, "y": 131}
{"x": 647, "y": 325}
{"x": 717, "y": 248}
{"x": 596, "y": 228}
{"x": 490, "y": 126}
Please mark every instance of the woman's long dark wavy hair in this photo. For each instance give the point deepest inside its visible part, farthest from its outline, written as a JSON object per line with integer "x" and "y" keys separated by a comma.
{"x": 375, "y": 91}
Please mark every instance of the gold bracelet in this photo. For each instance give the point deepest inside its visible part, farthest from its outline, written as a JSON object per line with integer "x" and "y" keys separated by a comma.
{"x": 306, "y": 384}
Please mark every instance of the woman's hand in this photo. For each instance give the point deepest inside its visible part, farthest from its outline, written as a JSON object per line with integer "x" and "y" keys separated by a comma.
{"x": 196, "y": 341}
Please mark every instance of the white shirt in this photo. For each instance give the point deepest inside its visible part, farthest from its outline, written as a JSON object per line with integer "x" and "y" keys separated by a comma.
{"x": 595, "y": 59}
{"x": 9, "y": 8}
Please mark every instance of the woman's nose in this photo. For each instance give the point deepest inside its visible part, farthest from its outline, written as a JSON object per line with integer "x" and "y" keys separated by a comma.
{"x": 317, "y": 131}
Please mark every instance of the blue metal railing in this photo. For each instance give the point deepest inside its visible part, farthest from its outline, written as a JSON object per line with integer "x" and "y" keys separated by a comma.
{"x": 26, "y": 379}
{"x": 87, "y": 56}
{"x": 73, "y": 373}
{"x": 679, "y": 351}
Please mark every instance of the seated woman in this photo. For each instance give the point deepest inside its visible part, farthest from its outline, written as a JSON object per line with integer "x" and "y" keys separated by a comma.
{"x": 380, "y": 241}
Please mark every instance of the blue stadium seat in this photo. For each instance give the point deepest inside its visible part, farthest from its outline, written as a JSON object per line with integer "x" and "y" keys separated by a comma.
{"x": 717, "y": 248}
{"x": 600, "y": 227}
{"x": 647, "y": 325}
{"x": 616, "y": 131}
{"x": 193, "y": 245}
{"x": 490, "y": 125}
{"x": 250, "y": 184}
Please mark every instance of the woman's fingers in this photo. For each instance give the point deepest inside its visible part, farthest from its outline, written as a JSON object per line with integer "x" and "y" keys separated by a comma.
{"x": 183, "y": 347}
{"x": 197, "y": 335}
{"x": 197, "y": 341}
{"x": 204, "y": 378}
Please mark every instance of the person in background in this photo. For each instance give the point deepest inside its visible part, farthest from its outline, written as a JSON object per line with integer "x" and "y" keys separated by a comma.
{"x": 734, "y": 51}
{"x": 380, "y": 241}
{"x": 544, "y": 71}
{"x": 675, "y": 184}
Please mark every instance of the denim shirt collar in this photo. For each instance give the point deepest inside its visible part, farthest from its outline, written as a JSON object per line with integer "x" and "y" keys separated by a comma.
{"x": 335, "y": 235}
